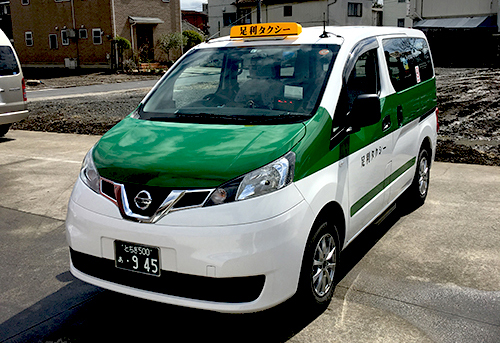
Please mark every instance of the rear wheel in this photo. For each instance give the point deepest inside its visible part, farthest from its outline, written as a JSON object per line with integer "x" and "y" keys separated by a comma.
{"x": 4, "y": 128}
{"x": 319, "y": 265}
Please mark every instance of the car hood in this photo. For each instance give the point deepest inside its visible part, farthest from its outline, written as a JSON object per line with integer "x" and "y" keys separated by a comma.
{"x": 180, "y": 155}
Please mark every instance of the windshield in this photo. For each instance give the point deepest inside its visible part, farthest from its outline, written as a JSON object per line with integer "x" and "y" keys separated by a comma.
{"x": 250, "y": 85}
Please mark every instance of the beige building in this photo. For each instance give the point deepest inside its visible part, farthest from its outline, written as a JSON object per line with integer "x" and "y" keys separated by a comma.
{"x": 396, "y": 13}
{"x": 222, "y": 14}
{"x": 58, "y": 33}
{"x": 441, "y": 9}
{"x": 460, "y": 32}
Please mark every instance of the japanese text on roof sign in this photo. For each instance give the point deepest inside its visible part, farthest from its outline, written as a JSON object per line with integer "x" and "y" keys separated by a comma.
{"x": 254, "y": 30}
{"x": 269, "y": 29}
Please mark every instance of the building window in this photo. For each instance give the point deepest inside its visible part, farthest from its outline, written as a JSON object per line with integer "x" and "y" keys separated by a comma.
{"x": 82, "y": 34}
{"x": 53, "y": 41}
{"x": 97, "y": 36}
{"x": 354, "y": 9}
{"x": 403, "y": 1}
{"x": 401, "y": 22}
{"x": 287, "y": 11}
{"x": 165, "y": 0}
{"x": 228, "y": 18}
{"x": 244, "y": 16}
{"x": 28, "y": 38}
{"x": 25, "y": 2}
{"x": 64, "y": 37}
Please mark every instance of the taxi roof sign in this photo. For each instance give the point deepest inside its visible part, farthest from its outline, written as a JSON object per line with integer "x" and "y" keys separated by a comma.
{"x": 265, "y": 30}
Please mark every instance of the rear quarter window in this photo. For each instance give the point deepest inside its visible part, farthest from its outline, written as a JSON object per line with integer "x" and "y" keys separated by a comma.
{"x": 8, "y": 62}
{"x": 409, "y": 61}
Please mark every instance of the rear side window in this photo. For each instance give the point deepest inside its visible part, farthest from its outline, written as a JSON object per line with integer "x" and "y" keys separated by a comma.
{"x": 408, "y": 60}
{"x": 8, "y": 62}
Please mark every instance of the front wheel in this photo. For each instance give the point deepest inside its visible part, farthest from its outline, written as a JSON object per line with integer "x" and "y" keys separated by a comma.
{"x": 317, "y": 280}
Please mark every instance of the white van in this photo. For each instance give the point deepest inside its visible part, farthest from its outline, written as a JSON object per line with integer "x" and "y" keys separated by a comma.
{"x": 13, "y": 102}
{"x": 253, "y": 162}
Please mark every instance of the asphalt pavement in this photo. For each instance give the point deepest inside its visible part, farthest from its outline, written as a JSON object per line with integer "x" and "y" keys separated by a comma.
{"x": 430, "y": 275}
{"x": 71, "y": 92}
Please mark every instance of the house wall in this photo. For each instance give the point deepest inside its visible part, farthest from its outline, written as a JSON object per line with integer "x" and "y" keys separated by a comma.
{"x": 216, "y": 9}
{"x": 168, "y": 12}
{"x": 44, "y": 17}
{"x": 456, "y": 8}
{"x": 394, "y": 10}
{"x": 307, "y": 13}
{"x": 338, "y": 11}
{"x": 310, "y": 13}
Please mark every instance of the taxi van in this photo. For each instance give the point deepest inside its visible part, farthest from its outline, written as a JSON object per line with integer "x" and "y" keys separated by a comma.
{"x": 253, "y": 162}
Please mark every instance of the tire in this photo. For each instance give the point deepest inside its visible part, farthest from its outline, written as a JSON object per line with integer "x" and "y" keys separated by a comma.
{"x": 319, "y": 264}
{"x": 4, "y": 128}
{"x": 417, "y": 192}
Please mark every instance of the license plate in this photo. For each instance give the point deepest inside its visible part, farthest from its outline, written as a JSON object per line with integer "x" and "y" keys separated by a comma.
{"x": 137, "y": 258}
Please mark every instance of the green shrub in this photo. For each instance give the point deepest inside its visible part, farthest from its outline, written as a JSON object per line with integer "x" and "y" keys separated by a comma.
{"x": 192, "y": 38}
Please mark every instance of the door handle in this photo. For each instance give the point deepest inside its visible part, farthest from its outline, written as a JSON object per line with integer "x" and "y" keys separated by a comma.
{"x": 386, "y": 123}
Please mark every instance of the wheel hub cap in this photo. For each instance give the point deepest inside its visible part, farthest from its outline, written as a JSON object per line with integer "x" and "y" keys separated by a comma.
{"x": 324, "y": 265}
{"x": 423, "y": 176}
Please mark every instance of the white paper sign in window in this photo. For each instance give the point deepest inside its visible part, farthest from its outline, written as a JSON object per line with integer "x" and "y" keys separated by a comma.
{"x": 294, "y": 92}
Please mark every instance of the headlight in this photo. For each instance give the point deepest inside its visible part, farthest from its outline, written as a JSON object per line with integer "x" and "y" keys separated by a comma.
{"x": 264, "y": 180}
{"x": 88, "y": 173}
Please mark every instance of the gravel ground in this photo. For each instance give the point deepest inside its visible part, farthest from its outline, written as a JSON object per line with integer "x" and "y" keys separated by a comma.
{"x": 468, "y": 102}
{"x": 43, "y": 80}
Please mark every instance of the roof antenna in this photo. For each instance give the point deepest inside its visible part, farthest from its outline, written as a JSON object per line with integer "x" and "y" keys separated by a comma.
{"x": 324, "y": 34}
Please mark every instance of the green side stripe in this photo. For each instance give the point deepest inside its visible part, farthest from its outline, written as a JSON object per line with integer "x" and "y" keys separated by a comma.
{"x": 381, "y": 186}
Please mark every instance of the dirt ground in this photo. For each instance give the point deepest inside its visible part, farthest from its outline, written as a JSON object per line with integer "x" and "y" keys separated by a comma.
{"x": 468, "y": 101}
{"x": 60, "y": 79}
{"x": 469, "y": 119}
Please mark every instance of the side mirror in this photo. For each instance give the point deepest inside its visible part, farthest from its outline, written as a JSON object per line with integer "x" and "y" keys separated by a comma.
{"x": 365, "y": 111}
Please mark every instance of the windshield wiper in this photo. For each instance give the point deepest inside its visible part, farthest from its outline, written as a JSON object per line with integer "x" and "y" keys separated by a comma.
{"x": 192, "y": 115}
{"x": 207, "y": 115}
{"x": 286, "y": 116}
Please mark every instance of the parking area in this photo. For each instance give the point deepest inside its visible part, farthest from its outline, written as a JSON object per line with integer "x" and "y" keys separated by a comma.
{"x": 432, "y": 275}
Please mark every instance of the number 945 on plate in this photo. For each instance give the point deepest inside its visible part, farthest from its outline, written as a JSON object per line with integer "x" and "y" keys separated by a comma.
{"x": 137, "y": 258}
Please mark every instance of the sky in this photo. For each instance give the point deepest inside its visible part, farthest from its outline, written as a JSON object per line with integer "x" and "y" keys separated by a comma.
{"x": 193, "y": 5}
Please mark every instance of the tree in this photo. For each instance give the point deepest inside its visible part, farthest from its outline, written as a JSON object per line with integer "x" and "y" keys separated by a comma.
{"x": 121, "y": 44}
{"x": 171, "y": 41}
{"x": 192, "y": 38}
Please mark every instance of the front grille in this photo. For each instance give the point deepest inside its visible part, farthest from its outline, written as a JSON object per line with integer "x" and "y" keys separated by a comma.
{"x": 226, "y": 290}
{"x": 191, "y": 199}
{"x": 158, "y": 194}
{"x": 179, "y": 199}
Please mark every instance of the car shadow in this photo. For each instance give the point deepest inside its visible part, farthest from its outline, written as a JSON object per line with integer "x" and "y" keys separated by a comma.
{"x": 366, "y": 240}
{"x": 98, "y": 315}
{"x": 6, "y": 139}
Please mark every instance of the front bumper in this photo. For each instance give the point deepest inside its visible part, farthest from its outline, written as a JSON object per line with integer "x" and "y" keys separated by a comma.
{"x": 239, "y": 257}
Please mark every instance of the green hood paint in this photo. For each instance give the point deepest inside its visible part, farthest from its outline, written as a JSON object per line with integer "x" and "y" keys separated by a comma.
{"x": 181, "y": 155}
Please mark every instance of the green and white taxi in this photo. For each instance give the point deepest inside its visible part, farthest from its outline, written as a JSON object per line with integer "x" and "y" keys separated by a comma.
{"x": 253, "y": 162}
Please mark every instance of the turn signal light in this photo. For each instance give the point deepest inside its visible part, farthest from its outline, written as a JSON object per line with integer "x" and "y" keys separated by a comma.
{"x": 24, "y": 91}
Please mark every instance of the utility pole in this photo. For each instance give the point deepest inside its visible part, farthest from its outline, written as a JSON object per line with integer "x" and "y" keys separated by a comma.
{"x": 259, "y": 10}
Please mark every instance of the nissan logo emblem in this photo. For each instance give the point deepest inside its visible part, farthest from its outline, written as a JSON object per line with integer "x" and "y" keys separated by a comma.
{"x": 142, "y": 200}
